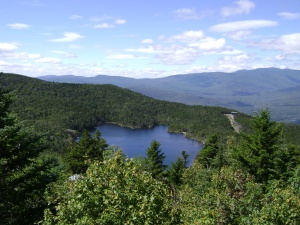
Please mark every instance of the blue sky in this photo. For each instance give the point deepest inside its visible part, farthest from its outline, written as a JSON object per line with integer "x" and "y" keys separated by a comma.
{"x": 139, "y": 39}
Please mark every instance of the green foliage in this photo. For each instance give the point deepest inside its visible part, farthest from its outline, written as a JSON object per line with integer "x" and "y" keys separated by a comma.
{"x": 259, "y": 186}
{"x": 294, "y": 181}
{"x": 155, "y": 159}
{"x": 235, "y": 198}
{"x": 252, "y": 179}
{"x": 278, "y": 206}
{"x": 24, "y": 172}
{"x": 115, "y": 191}
{"x": 263, "y": 153}
{"x": 176, "y": 170}
{"x": 226, "y": 199}
{"x": 88, "y": 148}
{"x": 291, "y": 133}
{"x": 196, "y": 179}
{"x": 209, "y": 151}
{"x": 214, "y": 154}
{"x": 185, "y": 157}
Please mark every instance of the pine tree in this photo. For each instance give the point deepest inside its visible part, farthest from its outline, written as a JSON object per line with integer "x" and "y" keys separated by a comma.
{"x": 176, "y": 171}
{"x": 259, "y": 150}
{"x": 88, "y": 148}
{"x": 24, "y": 173}
{"x": 210, "y": 153}
{"x": 185, "y": 156}
{"x": 155, "y": 159}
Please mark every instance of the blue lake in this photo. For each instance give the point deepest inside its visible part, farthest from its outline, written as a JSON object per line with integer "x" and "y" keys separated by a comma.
{"x": 134, "y": 142}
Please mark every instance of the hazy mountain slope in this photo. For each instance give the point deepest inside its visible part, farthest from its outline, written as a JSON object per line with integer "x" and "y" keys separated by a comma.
{"x": 244, "y": 90}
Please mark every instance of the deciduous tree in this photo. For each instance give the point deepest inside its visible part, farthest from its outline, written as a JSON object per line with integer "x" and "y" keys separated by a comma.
{"x": 114, "y": 191}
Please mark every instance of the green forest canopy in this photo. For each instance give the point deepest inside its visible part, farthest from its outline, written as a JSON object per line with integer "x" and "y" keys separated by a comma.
{"x": 56, "y": 106}
{"x": 247, "y": 178}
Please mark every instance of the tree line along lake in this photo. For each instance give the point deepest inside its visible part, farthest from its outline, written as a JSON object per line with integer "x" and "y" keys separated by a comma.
{"x": 134, "y": 142}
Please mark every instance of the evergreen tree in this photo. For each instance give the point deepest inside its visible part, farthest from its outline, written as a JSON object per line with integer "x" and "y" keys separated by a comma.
{"x": 88, "y": 148}
{"x": 212, "y": 154}
{"x": 185, "y": 156}
{"x": 155, "y": 159}
{"x": 24, "y": 173}
{"x": 177, "y": 168}
{"x": 259, "y": 151}
{"x": 176, "y": 171}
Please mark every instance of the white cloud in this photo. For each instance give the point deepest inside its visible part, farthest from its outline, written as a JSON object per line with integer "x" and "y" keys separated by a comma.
{"x": 178, "y": 57}
{"x": 68, "y": 55}
{"x": 120, "y": 22}
{"x": 34, "y": 56}
{"x": 103, "y": 26}
{"x": 24, "y": 55}
{"x": 121, "y": 56}
{"x": 235, "y": 60}
{"x": 2, "y": 63}
{"x": 65, "y": 54}
{"x": 48, "y": 60}
{"x": 149, "y": 49}
{"x": 280, "y": 57}
{"x": 68, "y": 37}
{"x": 187, "y": 36}
{"x": 242, "y": 25}
{"x": 18, "y": 26}
{"x": 189, "y": 46}
{"x": 185, "y": 13}
{"x": 242, "y": 7}
{"x": 227, "y": 64}
{"x": 5, "y": 47}
{"x": 75, "y": 17}
{"x": 239, "y": 35}
{"x": 289, "y": 43}
{"x": 58, "y": 52}
{"x": 289, "y": 15}
{"x": 106, "y": 22}
{"x": 7, "y": 50}
{"x": 210, "y": 44}
{"x": 147, "y": 41}
{"x": 188, "y": 14}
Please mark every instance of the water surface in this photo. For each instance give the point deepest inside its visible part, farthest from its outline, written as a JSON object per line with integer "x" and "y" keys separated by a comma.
{"x": 134, "y": 142}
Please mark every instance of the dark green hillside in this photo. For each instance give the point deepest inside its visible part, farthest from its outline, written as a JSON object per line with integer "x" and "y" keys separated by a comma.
{"x": 243, "y": 90}
{"x": 53, "y": 106}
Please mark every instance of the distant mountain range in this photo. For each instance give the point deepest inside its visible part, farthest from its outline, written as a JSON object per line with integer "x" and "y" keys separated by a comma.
{"x": 243, "y": 90}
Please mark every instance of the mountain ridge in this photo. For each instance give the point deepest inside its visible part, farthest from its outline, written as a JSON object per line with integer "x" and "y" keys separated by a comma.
{"x": 244, "y": 90}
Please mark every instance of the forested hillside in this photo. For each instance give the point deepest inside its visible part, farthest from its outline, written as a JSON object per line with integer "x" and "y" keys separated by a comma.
{"x": 52, "y": 106}
{"x": 243, "y": 90}
{"x": 46, "y": 177}
{"x": 55, "y": 106}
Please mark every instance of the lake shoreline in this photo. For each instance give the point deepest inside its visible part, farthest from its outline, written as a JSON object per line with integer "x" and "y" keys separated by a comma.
{"x": 185, "y": 134}
{"x": 135, "y": 141}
